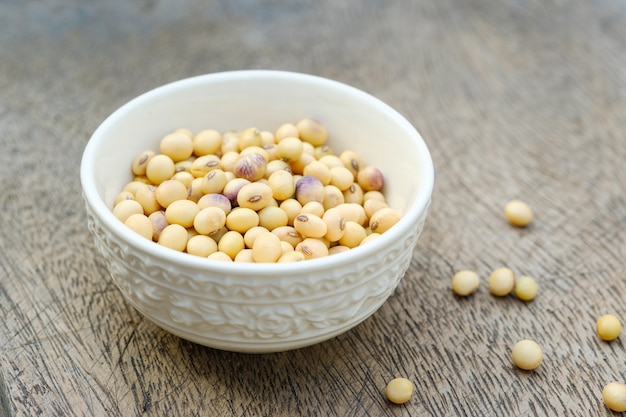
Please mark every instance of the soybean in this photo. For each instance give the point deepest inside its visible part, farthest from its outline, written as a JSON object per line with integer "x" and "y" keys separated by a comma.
{"x": 526, "y": 288}
{"x": 141, "y": 224}
{"x": 608, "y": 327}
{"x": 465, "y": 282}
{"x": 614, "y": 396}
{"x": 201, "y": 245}
{"x": 125, "y": 208}
{"x": 174, "y": 236}
{"x": 518, "y": 213}
{"x": 399, "y": 390}
{"x": 527, "y": 354}
{"x": 266, "y": 248}
{"x": 501, "y": 282}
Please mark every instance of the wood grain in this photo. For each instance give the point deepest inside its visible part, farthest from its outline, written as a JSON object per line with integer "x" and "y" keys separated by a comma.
{"x": 516, "y": 99}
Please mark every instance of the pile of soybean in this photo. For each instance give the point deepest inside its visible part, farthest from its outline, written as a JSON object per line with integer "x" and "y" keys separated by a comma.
{"x": 255, "y": 195}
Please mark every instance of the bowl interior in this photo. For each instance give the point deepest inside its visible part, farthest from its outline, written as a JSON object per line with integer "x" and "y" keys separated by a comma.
{"x": 263, "y": 99}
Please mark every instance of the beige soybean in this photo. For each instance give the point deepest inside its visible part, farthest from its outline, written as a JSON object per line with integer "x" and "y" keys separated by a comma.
{"x": 608, "y": 327}
{"x": 518, "y": 213}
{"x": 341, "y": 177}
{"x": 141, "y": 224}
{"x": 308, "y": 148}
{"x": 147, "y": 197}
{"x": 194, "y": 192}
{"x": 399, "y": 390}
{"x": 310, "y": 225}
{"x": 250, "y": 137}
{"x": 217, "y": 235}
{"x": 133, "y": 186}
{"x": 286, "y": 130}
{"x": 220, "y": 256}
{"x": 333, "y": 250}
{"x": 160, "y": 168}
{"x": 501, "y": 282}
{"x": 313, "y": 207}
{"x": 312, "y": 248}
{"x": 267, "y": 138}
{"x": 318, "y": 170}
{"x": 614, "y": 396}
{"x": 465, "y": 282}
{"x": 369, "y": 238}
{"x": 374, "y": 195}
{"x": 184, "y": 166}
{"x": 331, "y": 161}
{"x": 169, "y": 191}
{"x": 250, "y": 236}
{"x": 352, "y": 212}
{"x": 184, "y": 130}
{"x": 293, "y": 256}
{"x": 255, "y": 196}
{"x": 125, "y": 208}
{"x": 288, "y": 234}
{"x": 322, "y": 151}
{"x": 174, "y": 236}
{"x": 527, "y": 355}
{"x": 209, "y": 220}
{"x": 525, "y": 288}
{"x": 354, "y": 194}
{"x": 312, "y": 131}
{"x": 352, "y": 161}
{"x": 353, "y": 234}
{"x": 201, "y": 245}
{"x": 230, "y": 142}
{"x": 182, "y": 212}
{"x": 383, "y": 219}
{"x": 289, "y": 149}
{"x": 292, "y": 207}
{"x": 228, "y": 160}
{"x": 205, "y": 164}
{"x": 177, "y": 145}
{"x": 276, "y": 165}
{"x": 372, "y": 205}
{"x": 335, "y": 224}
{"x": 207, "y": 142}
{"x": 184, "y": 178}
{"x": 272, "y": 217}
{"x": 332, "y": 197}
{"x": 241, "y": 219}
{"x": 140, "y": 163}
{"x": 297, "y": 166}
{"x": 124, "y": 195}
{"x": 231, "y": 243}
{"x": 282, "y": 185}
{"x": 286, "y": 246}
{"x": 214, "y": 182}
{"x": 266, "y": 248}
{"x": 245, "y": 256}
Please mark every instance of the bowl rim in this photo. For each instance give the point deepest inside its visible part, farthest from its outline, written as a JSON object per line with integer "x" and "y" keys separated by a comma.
{"x": 407, "y": 222}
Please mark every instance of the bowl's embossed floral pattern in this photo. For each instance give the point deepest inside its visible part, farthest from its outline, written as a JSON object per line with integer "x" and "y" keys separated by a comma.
{"x": 203, "y": 306}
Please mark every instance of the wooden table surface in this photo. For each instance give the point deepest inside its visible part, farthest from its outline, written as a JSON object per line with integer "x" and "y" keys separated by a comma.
{"x": 515, "y": 99}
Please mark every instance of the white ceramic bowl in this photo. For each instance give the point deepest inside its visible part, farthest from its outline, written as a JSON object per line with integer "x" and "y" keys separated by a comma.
{"x": 257, "y": 307}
